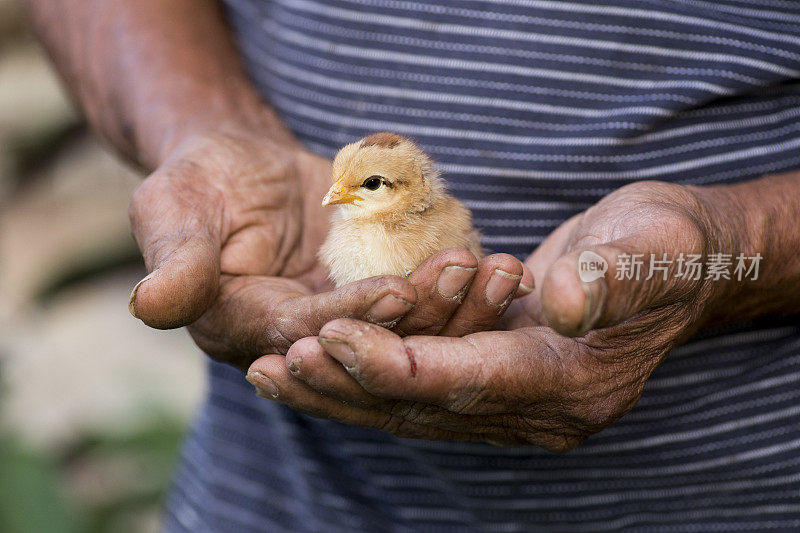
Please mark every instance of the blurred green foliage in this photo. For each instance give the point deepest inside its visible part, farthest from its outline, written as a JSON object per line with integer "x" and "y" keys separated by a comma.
{"x": 30, "y": 499}
{"x": 94, "y": 486}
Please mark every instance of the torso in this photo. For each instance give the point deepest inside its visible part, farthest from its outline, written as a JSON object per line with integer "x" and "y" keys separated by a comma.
{"x": 534, "y": 110}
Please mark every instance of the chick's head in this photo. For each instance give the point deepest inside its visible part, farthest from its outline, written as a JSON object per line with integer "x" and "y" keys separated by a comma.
{"x": 382, "y": 176}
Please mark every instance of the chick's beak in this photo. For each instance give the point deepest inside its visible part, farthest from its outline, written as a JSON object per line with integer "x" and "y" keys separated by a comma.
{"x": 338, "y": 195}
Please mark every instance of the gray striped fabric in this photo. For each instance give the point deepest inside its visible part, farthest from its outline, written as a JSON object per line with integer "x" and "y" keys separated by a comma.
{"x": 535, "y": 110}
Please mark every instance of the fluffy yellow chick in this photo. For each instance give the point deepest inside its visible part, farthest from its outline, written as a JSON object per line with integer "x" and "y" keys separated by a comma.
{"x": 393, "y": 211}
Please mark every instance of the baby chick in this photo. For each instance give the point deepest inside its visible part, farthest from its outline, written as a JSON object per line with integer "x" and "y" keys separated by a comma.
{"x": 393, "y": 211}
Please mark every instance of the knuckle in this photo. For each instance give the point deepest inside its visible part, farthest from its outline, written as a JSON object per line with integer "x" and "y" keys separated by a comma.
{"x": 278, "y": 331}
{"x": 467, "y": 400}
{"x": 554, "y": 440}
{"x": 396, "y": 285}
{"x": 373, "y": 380}
{"x": 289, "y": 321}
{"x": 470, "y": 398}
{"x": 477, "y": 389}
{"x": 402, "y": 428}
{"x": 562, "y": 443}
{"x": 394, "y": 424}
{"x": 411, "y": 412}
{"x": 420, "y": 322}
{"x": 384, "y": 377}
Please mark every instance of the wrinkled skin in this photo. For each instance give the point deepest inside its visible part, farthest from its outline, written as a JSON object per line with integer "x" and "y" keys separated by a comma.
{"x": 229, "y": 226}
{"x": 529, "y": 384}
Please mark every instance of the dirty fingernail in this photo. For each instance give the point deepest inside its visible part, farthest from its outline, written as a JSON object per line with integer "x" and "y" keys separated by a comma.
{"x": 294, "y": 366}
{"x": 339, "y": 350}
{"x": 132, "y": 298}
{"x": 500, "y": 286}
{"x": 265, "y": 387}
{"x": 388, "y": 309}
{"x": 524, "y": 289}
{"x": 593, "y": 304}
{"x": 453, "y": 281}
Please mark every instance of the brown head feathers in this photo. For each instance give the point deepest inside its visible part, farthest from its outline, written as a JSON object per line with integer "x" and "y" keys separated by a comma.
{"x": 384, "y": 139}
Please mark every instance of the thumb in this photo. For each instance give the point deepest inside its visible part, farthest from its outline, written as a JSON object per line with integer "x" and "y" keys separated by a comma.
{"x": 603, "y": 285}
{"x": 177, "y": 226}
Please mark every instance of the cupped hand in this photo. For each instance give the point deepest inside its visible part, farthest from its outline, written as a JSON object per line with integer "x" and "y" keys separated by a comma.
{"x": 457, "y": 294}
{"x": 229, "y": 226}
{"x": 576, "y": 355}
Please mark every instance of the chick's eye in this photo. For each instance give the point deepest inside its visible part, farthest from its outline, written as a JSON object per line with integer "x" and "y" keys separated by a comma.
{"x": 372, "y": 183}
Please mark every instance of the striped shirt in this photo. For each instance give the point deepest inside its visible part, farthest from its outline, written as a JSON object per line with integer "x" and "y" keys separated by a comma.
{"x": 534, "y": 110}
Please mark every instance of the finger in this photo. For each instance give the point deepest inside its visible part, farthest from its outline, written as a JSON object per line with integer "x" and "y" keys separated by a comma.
{"x": 495, "y": 285}
{"x": 598, "y": 286}
{"x": 308, "y": 362}
{"x": 526, "y": 284}
{"x": 478, "y": 374}
{"x": 255, "y": 315}
{"x": 273, "y": 381}
{"x": 516, "y": 387}
{"x": 178, "y": 229}
{"x": 441, "y": 282}
{"x": 381, "y": 300}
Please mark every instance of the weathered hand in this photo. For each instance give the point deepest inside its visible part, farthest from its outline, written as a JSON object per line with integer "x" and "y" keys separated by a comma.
{"x": 229, "y": 226}
{"x": 528, "y": 385}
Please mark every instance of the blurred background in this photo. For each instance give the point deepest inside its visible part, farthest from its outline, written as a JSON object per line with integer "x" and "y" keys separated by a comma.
{"x": 93, "y": 404}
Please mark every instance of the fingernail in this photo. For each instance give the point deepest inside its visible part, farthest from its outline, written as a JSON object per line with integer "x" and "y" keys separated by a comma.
{"x": 339, "y": 350}
{"x": 294, "y": 365}
{"x": 265, "y": 387}
{"x": 132, "y": 298}
{"x": 593, "y": 304}
{"x": 388, "y": 309}
{"x": 524, "y": 289}
{"x": 453, "y": 282}
{"x": 501, "y": 287}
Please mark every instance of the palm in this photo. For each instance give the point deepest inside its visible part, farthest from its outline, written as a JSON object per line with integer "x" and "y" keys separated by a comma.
{"x": 274, "y": 219}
